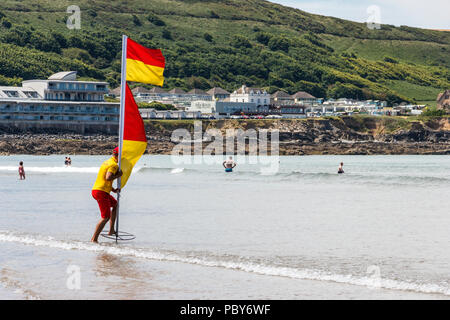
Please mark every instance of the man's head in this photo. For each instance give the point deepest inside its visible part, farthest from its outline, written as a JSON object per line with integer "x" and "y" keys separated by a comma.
{"x": 116, "y": 153}
{"x": 342, "y": 163}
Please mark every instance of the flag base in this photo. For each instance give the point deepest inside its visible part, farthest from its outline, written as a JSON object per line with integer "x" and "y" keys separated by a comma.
{"x": 122, "y": 236}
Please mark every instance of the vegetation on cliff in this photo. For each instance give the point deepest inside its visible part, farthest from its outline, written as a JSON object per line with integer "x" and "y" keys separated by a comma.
{"x": 228, "y": 43}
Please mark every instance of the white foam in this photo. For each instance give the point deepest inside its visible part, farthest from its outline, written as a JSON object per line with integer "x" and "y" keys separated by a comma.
{"x": 246, "y": 266}
{"x": 177, "y": 170}
{"x": 62, "y": 169}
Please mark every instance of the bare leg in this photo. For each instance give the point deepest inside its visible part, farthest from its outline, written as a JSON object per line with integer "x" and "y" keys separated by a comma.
{"x": 99, "y": 229}
{"x": 113, "y": 221}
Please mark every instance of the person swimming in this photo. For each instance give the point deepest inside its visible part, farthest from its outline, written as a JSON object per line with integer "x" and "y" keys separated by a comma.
{"x": 341, "y": 168}
{"x": 229, "y": 165}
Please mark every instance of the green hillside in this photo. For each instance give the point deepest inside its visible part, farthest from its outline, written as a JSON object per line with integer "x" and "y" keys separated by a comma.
{"x": 226, "y": 43}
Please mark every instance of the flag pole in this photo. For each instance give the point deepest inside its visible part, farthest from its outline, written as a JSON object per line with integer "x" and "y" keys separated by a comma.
{"x": 123, "y": 83}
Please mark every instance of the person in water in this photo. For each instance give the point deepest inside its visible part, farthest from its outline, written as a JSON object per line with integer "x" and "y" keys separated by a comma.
{"x": 69, "y": 161}
{"x": 109, "y": 171}
{"x": 229, "y": 165}
{"x": 21, "y": 171}
{"x": 341, "y": 168}
{"x": 66, "y": 161}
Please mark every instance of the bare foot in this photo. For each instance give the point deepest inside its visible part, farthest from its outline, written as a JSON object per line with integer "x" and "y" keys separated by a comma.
{"x": 112, "y": 233}
{"x": 94, "y": 241}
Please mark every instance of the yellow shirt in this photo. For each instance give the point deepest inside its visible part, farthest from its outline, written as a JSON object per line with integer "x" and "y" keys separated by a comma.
{"x": 101, "y": 183}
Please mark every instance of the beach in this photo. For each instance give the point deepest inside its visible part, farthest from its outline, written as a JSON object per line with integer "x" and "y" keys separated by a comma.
{"x": 380, "y": 231}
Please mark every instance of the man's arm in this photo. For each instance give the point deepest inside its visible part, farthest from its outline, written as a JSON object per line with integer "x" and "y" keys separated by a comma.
{"x": 113, "y": 176}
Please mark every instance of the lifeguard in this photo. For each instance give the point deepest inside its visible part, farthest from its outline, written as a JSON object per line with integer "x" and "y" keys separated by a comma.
{"x": 109, "y": 171}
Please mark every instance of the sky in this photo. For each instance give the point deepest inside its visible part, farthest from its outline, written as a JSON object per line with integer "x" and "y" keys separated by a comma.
{"x": 429, "y": 14}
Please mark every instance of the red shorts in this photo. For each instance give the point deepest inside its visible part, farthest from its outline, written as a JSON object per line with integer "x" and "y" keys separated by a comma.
{"x": 105, "y": 202}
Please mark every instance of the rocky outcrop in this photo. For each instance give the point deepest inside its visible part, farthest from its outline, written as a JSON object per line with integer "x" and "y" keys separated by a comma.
{"x": 347, "y": 135}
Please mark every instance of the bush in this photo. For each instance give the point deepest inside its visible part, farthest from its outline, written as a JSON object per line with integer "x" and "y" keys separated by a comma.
{"x": 136, "y": 21}
{"x": 214, "y": 15}
{"x": 390, "y": 60}
{"x": 157, "y": 106}
{"x": 241, "y": 42}
{"x": 166, "y": 34}
{"x": 6, "y": 23}
{"x": 208, "y": 37}
{"x": 433, "y": 112}
{"x": 279, "y": 43}
{"x": 155, "y": 20}
{"x": 263, "y": 38}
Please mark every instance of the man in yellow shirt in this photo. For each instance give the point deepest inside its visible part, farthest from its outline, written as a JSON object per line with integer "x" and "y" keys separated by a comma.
{"x": 109, "y": 171}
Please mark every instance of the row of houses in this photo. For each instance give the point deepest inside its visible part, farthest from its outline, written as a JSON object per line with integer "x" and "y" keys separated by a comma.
{"x": 63, "y": 101}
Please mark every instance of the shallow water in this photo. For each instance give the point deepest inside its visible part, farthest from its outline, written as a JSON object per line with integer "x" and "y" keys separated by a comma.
{"x": 378, "y": 232}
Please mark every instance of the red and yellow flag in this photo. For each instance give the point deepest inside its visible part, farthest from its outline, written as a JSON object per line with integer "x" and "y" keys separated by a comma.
{"x": 145, "y": 65}
{"x": 134, "y": 138}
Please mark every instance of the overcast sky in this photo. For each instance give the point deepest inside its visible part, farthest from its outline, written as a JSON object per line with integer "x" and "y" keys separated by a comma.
{"x": 430, "y": 14}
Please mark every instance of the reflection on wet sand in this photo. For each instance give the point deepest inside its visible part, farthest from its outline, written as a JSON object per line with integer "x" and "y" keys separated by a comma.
{"x": 126, "y": 280}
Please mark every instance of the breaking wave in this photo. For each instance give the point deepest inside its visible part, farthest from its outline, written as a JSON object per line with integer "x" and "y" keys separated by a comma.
{"x": 47, "y": 170}
{"x": 227, "y": 262}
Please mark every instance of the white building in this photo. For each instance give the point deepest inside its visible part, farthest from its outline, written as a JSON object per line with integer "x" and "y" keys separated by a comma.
{"x": 63, "y": 86}
{"x": 59, "y": 101}
{"x": 245, "y": 94}
{"x": 155, "y": 114}
{"x": 227, "y": 107}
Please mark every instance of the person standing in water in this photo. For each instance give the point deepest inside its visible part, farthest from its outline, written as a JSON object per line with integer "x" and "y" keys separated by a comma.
{"x": 21, "y": 171}
{"x": 341, "y": 168}
{"x": 229, "y": 165}
{"x": 109, "y": 171}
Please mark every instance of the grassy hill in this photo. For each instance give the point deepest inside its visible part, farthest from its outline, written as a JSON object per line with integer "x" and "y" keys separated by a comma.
{"x": 226, "y": 43}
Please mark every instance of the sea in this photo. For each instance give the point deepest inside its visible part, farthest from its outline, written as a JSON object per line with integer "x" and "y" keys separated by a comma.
{"x": 295, "y": 231}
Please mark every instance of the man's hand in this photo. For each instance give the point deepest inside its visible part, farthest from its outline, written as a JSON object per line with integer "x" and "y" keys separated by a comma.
{"x": 117, "y": 190}
{"x": 119, "y": 174}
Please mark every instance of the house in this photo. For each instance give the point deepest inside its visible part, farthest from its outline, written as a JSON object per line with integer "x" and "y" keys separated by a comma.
{"x": 177, "y": 93}
{"x": 281, "y": 98}
{"x": 302, "y": 97}
{"x": 141, "y": 93}
{"x": 156, "y": 94}
{"x": 198, "y": 94}
{"x": 218, "y": 94}
{"x": 443, "y": 101}
{"x": 114, "y": 93}
{"x": 245, "y": 94}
